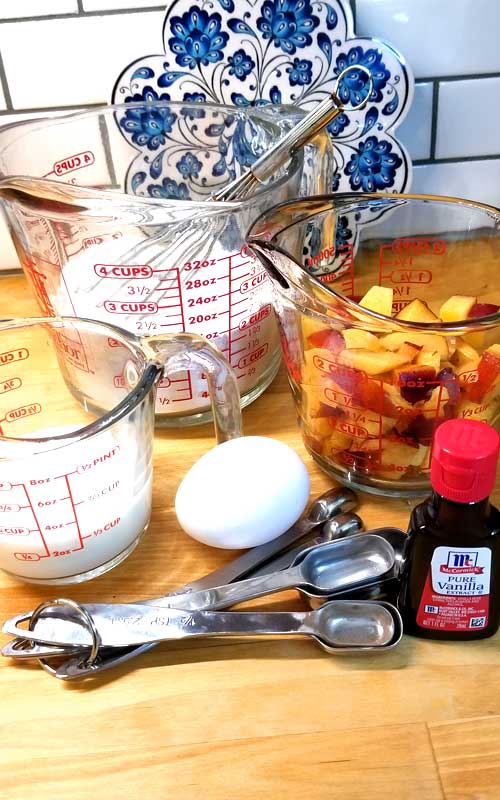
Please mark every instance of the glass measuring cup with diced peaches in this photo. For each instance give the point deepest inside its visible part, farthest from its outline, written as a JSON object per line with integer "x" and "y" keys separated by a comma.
{"x": 388, "y": 308}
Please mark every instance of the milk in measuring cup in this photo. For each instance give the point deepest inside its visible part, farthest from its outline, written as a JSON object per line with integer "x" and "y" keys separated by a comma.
{"x": 71, "y": 510}
{"x": 221, "y": 295}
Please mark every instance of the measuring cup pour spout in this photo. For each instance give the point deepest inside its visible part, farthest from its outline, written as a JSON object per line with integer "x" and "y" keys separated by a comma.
{"x": 222, "y": 385}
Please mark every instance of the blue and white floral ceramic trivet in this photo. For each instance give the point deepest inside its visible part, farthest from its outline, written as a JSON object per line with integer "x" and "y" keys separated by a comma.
{"x": 243, "y": 52}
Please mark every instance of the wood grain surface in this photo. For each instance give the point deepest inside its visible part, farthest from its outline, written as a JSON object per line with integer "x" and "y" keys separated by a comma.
{"x": 245, "y": 719}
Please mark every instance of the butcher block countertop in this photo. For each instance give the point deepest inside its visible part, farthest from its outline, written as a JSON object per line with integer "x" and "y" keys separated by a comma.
{"x": 244, "y": 718}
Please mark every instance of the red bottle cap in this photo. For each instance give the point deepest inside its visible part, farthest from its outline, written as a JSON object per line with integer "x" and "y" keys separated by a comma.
{"x": 464, "y": 460}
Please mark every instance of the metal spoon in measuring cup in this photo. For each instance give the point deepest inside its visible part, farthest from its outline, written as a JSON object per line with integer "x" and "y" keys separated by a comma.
{"x": 325, "y": 507}
{"x": 326, "y": 568}
{"x": 344, "y": 625}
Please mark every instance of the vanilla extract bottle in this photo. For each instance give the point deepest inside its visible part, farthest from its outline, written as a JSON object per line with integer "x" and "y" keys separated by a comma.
{"x": 451, "y": 580}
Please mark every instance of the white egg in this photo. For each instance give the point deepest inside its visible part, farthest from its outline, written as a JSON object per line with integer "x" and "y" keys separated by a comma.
{"x": 243, "y": 493}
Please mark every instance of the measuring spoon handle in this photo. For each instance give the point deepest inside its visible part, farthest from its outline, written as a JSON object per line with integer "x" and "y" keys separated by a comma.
{"x": 233, "y": 593}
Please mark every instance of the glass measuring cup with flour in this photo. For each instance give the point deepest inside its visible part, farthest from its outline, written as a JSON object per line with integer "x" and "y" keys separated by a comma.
{"x": 132, "y": 240}
{"x": 76, "y": 440}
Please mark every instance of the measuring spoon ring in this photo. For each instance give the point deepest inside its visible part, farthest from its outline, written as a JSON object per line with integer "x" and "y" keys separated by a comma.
{"x": 343, "y": 624}
{"x": 325, "y": 569}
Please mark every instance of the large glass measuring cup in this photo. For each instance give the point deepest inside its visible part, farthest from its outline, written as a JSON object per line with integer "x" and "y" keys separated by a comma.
{"x": 76, "y": 440}
{"x": 372, "y": 382}
{"x": 133, "y": 242}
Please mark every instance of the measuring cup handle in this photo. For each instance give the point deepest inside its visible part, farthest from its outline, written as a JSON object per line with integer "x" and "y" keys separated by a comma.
{"x": 179, "y": 352}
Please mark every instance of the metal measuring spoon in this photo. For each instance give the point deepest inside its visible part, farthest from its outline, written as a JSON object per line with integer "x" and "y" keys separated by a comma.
{"x": 20, "y": 648}
{"x": 323, "y": 508}
{"x": 337, "y": 528}
{"x": 384, "y": 588}
{"x": 326, "y": 568}
{"x": 342, "y": 624}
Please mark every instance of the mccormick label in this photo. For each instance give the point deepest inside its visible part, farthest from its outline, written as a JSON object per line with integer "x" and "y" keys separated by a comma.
{"x": 456, "y": 592}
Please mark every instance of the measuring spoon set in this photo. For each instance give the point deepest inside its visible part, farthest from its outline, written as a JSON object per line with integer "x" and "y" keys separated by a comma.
{"x": 325, "y": 570}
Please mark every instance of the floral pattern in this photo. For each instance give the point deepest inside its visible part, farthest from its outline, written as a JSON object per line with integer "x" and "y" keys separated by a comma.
{"x": 374, "y": 167}
{"x": 148, "y": 126}
{"x": 287, "y": 23}
{"x": 169, "y": 190}
{"x": 186, "y": 153}
{"x": 240, "y": 64}
{"x": 197, "y": 38}
{"x": 276, "y": 51}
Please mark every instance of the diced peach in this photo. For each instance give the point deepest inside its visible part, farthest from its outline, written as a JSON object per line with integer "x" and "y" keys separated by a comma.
{"x": 417, "y": 311}
{"x": 328, "y": 338}
{"x": 355, "y": 338}
{"x": 488, "y": 371}
{"x": 428, "y": 358}
{"x": 409, "y": 350}
{"x": 318, "y": 366}
{"x": 485, "y": 411}
{"x": 309, "y": 326}
{"x": 319, "y": 428}
{"x": 431, "y": 342}
{"x": 456, "y": 308}
{"x": 369, "y": 362}
{"x": 434, "y": 406}
{"x": 465, "y": 353}
{"x": 483, "y": 310}
{"x": 336, "y": 442}
{"x": 378, "y": 299}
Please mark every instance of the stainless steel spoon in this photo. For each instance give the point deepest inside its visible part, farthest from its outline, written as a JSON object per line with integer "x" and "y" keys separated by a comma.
{"x": 343, "y": 624}
{"x": 326, "y": 568}
{"x": 322, "y": 509}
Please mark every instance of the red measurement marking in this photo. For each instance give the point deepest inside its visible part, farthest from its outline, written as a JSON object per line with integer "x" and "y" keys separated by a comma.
{"x": 113, "y": 307}
{"x": 263, "y": 313}
{"x": 252, "y": 357}
{"x": 23, "y": 411}
{"x": 138, "y": 271}
{"x": 73, "y": 506}
{"x": 10, "y": 385}
{"x": 72, "y": 163}
{"x": 247, "y": 286}
{"x": 10, "y": 356}
{"x": 419, "y": 244}
{"x": 73, "y": 351}
{"x": 28, "y": 556}
{"x": 37, "y": 523}
{"x": 14, "y": 531}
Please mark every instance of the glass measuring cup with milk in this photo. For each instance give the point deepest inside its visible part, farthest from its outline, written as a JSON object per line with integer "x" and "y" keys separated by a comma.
{"x": 76, "y": 428}
{"x": 132, "y": 240}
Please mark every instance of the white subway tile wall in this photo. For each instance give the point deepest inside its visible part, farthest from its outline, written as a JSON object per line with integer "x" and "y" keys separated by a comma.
{"x": 416, "y": 129}
{"x": 117, "y": 5}
{"x": 437, "y": 37}
{"x": 14, "y": 9}
{"x": 65, "y": 54}
{"x": 474, "y": 180}
{"x": 76, "y": 59}
{"x": 468, "y": 119}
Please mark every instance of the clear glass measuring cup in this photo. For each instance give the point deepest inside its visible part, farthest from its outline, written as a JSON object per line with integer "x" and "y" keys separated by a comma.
{"x": 132, "y": 241}
{"x": 76, "y": 439}
{"x": 371, "y": 382}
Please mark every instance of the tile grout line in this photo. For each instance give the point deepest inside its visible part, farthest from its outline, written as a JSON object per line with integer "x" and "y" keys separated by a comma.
{"x": 434, "y": 115}
{"x": 5, "y": 86}
{"x": 436, "y": 763}
{"x": 79, "y": 5}
{"x": 427, "y": 162}
{"x": 103, "y": 130}
{"x": 109, "y": 12}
